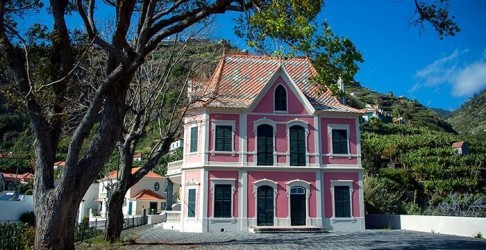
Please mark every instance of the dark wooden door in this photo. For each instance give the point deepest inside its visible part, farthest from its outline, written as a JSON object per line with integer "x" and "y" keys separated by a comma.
{"x": 265, "y": 206}
{"x": 297, "y": 209}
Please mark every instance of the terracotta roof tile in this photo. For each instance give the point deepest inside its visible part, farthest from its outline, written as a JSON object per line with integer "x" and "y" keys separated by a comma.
{"x": 25, "y": 177}
{"x": 147, "y": 194}
{"x": 458, "y": 144}
{"x": 238, "y": 79}
{"x": 151, "y": 174}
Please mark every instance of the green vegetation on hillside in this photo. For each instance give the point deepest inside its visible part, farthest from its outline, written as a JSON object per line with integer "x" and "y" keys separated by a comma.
{"x": 471, "y": 117}
{"x": 417, "y": 167}
{"x": 414, "y": 113}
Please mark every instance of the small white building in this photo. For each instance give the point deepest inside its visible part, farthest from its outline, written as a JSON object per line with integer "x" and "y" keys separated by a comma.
{"x": 176, "y": 145}
{"x": 148, "y": 195}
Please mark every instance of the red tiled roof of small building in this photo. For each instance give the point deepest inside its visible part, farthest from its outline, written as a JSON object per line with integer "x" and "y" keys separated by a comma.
{"x": 238, "y": 79}
{"x": 60, "y": 163}
{"x": 25, "y": 177}
{"x": 147, "y": 194}
{"x": 150, "y": 174}
{"x": 458, "y": 144}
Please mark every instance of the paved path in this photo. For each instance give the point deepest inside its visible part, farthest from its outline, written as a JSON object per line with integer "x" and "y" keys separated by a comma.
{"x": 156, "y": 238}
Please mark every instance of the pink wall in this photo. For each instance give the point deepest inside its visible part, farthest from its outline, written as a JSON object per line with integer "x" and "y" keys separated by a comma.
{"x": 236, "y": 139}
{"x": 282, "y": 136}
{"x": 282, "y": 202}
{"x": 192, "y": 176}
{"x": 328, "y": 176}
{"x": 226, "y": 175}
{"x": 266, "y": 105}
{"x": 326, "y": 140}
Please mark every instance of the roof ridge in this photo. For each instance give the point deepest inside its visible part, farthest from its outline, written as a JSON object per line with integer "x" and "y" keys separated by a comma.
{"x": 266, "y": 57}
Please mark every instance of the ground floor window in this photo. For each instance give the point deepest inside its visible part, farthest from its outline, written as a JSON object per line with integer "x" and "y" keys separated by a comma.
{"x": 342, "y": 202}
{"x": 222, "y": 201}
{"x": 191, "y": 203}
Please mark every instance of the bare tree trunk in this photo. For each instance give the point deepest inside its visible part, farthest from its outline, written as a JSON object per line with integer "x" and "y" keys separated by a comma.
{"x": 115, "y": 215}
{"x": 55, "y": 222}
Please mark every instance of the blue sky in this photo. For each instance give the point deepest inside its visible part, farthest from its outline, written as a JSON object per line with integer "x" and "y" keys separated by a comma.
{"x": 399, "y": 58}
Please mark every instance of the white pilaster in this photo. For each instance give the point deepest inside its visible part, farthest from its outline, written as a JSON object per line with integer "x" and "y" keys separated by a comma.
{"x": 206, "y": 126}
{"x": 361, "y": 197}
{"x": 317, "y": 140}
{"x": 203, "y": 187}
{"x": 358, "y": 142}
{"x": 243, "y": 139}
{"x": 243, "y": 199}
{"x": 319, "y": 198}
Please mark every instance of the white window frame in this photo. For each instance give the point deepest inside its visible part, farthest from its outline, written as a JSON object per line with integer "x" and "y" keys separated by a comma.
{"x": 348, "y": 183}
{"x": 298, "y": 183}
{"x": 286, "y": 99}
{"x": 272, "y": 123}
{"x": 346, "y": 127}
{"x": 272, "y": 184}
{"x": 233, "y": 134}
{"x": 223, "y": 181}
{"x": 305, "y": 125}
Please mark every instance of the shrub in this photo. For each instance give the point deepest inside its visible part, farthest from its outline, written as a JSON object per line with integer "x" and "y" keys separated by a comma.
{"x": 28, "y": 237}
{"x": 28, "y": 217}
{"x": 468, "y": 205}
{"x": 12, "y": 236}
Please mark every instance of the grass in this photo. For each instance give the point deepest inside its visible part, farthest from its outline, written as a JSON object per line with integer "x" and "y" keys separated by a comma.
{"x": 127, "y": 237}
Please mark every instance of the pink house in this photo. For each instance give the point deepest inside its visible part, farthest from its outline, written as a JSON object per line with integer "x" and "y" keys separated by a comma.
{"x": 266, "y": 148}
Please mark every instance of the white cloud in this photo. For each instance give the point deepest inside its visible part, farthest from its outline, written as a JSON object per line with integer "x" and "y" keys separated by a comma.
{"x": 464, "y": 79}
{"x": 439, "y": 71}
{"x": 470, "y": 80}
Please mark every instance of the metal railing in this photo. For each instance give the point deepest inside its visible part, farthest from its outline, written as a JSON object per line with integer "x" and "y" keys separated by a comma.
{"x": 173, "y": 216}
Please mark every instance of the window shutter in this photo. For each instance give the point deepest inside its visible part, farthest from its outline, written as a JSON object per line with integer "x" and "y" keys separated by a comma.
{"x": 228, "y": 138}
{"x": 342, "y": 201}
{"x": 191, "y": 203}
{"x": 339, "y": 141}
{"x": 224, "y": 138}
{"x": 280, "y": 99}
{"x": 222, "y": 201}
{"x": 297, "y": 146}
{"x": 264, "y": 145}
{"x": 193, "y": 147}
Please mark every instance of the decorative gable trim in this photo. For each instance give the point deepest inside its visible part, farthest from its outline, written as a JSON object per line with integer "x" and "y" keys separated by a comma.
{"x": 292, "y": 86}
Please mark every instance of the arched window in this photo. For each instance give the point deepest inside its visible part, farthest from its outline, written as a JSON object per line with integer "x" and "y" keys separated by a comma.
{"x": 297, "y": 145}
{"x": 265, "y": 145}
{"x": 280, "y": 98}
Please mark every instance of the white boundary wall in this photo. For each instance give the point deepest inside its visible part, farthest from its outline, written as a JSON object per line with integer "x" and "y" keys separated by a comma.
{"x": 11, "y": 210}
{"x": 462, "y": 226}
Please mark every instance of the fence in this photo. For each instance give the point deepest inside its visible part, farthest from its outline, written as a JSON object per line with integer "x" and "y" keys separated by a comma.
{"x": 97, "y": 227}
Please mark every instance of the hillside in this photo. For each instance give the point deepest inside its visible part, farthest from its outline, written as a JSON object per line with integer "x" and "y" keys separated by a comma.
{"x": 412, "y": 112}
{"x": 471, "y": 117}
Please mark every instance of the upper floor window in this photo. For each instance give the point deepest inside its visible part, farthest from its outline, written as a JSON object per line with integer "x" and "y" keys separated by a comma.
{"x": 297, "y": 146}
{"x": 265, "y": 145}
{"x": 339, "y": 141}
{"x": 224, "y": 138}
{"x": 280, "y": 98}
{"x": 193, "y": 145}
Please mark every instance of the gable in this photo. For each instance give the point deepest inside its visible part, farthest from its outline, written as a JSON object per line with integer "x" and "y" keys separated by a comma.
{"x": 296, "y": 101}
